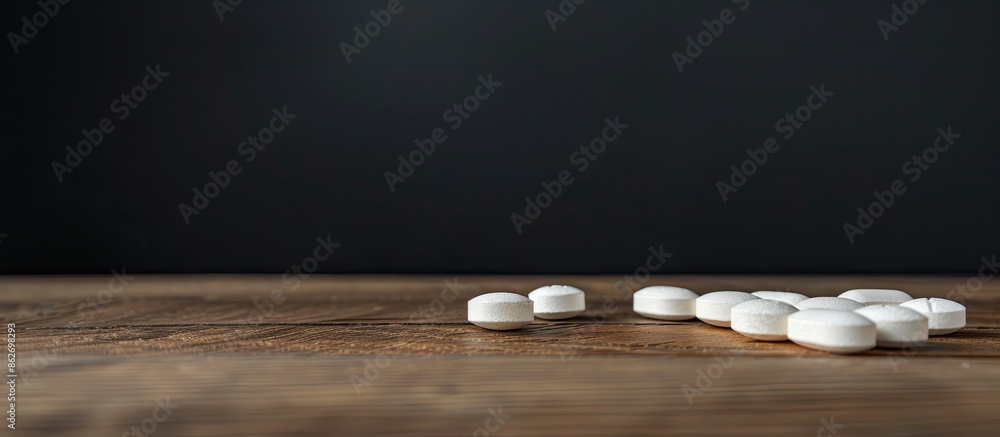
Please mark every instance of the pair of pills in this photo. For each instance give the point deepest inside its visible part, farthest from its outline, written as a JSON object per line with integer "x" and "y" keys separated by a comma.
{"x": 504, "y": 311}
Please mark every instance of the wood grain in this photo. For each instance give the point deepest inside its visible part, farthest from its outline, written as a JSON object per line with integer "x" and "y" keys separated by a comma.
{"x": 588, "y": 396}
{"x": 692, "y": 338}
{"x": 375, "y": 355}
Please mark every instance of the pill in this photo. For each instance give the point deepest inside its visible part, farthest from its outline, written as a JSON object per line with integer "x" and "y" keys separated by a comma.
{"x": 829, "y": 303}
{"x": 714, "y": 308}
{"x": 555, "y": 302}
{"x": 832, "y": 330}
{"x": 876, "y": 296}
{"x": 784, "y": 296}
{"x": 501, "y": 311}
{"x": 896, "y": 326}
{"x": 665, "y": 303}
{"x": 762, "y": 319}
{"x": 944, "y": 316}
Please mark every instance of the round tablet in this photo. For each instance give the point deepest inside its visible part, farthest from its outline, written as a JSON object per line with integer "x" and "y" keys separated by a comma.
{"x": 944, "y": 316}
{"x": 829, "y": 303}
{"x": 784, "y": 296}
{"x": 896, "y": 326}
{"x": 762, "y": 319}
{"x": 876, "y": 296}
{"x": 832, "y": 331}
{"x": 500, "y": 311}
{"x": 713, "y": 308}
{"x": 555, "y": 302}
{"x": 664, "y": 303}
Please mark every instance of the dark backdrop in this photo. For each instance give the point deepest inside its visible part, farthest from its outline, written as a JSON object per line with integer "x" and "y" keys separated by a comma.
{"x": 656, "y": 184}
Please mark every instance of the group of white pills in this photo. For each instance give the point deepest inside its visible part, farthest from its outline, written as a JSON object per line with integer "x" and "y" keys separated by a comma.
{"x": 503, "y": 311}
{"x": 855, "y": 321}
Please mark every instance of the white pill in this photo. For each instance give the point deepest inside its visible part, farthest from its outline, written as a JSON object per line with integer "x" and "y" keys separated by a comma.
{"x": 829, "y": 303}
{"x": 665, "y": 303}
{"x": 713, "y": 308}
{"x": 500, "y": 311}
{"x": 555, "y": 302}
{"x": 944, "y": 316}
{"x": 762, "y": 319}
{"x": 876, "y": 296}
{"x": 784, "y": 296}
{"x": 896, "y": 326}
{"x": 832, "y": 330}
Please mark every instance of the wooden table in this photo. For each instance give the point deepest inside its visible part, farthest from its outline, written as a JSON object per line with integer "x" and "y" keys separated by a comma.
{"x": 394, "y": 355}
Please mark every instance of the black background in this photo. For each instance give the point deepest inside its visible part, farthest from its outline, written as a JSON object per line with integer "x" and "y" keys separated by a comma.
{"x": 655, "y": 185}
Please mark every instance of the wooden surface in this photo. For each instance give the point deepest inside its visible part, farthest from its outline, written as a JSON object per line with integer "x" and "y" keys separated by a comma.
{"x": 394, "y": 355}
